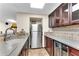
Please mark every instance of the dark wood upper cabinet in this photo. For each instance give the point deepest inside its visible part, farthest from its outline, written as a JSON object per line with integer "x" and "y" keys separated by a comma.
{"x": 75, "y": 13}
{"x": 57, "y": 17}
{"x": 52, "y": 20}
{"x": 60, "y": 16}
{"x": 65, "y": 14}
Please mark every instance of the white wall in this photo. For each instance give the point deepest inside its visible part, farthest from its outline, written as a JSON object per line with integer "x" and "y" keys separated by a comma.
{"x": 2, "y": 26}
{"x": 23, "y": 21}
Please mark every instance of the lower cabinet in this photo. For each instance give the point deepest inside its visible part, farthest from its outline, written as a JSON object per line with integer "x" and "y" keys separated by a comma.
{"x": 55, "y": 48}
{"x": 73, "y": 52}
{"x": 24, "y": 51}
{"x": 49, "y": 46}
{"x": 60, "y": 49}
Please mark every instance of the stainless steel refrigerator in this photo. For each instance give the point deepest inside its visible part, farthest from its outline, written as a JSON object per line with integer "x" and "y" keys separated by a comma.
{"x": 36, "y": 36}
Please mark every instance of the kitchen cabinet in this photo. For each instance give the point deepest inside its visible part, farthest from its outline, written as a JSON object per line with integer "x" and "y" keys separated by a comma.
{"x": 54, "y": 18}
{"x": 24, "y": 51}
{"x": 75, "y": 13}
{"x": 58, "y": 48}
{"x": 70, "y": 13}
{"x": 65, "y": 14}
{"x": 51, "y": 21}
{"x": 55, "y": 48}
{"x": 65, "y": 8}
{"x": 57, "y": 16}
{"x": 49, "y": 45}
{"x": 73, "y": 52}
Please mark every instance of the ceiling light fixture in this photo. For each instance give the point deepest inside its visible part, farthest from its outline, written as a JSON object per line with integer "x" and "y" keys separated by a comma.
{"x": 11, "y": 21}
{"x": 37, "y": 5}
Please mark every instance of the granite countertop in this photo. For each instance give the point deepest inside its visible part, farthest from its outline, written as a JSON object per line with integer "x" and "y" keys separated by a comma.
{"x": 69, "y": 42}
{"x": 12, "y": 47}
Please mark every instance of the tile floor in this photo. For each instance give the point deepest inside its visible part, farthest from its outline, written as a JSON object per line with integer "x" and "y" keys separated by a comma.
{"x": 38, "y": 52}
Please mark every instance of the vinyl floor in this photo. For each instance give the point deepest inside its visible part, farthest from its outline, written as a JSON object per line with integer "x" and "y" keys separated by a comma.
{"x": 38, "y": 52}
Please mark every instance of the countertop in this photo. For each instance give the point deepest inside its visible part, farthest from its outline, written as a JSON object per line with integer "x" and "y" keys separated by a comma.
{"x": 1, "y": 35}
{"x": 12, "y": 47}
{"x": 69, "y": 42}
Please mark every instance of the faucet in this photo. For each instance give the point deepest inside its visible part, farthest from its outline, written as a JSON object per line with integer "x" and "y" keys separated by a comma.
{"x": 6, "y": 33}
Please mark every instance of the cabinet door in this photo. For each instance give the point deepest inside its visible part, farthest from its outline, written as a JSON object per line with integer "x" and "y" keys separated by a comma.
{"x": 73, "y": 52}
{"x": 49, "y": 45}
{"x": 24, "y": 51}
{"x": 51, "y": 21}
{"x": 57, "y": 16}
{"x": 75, "y": 13}
{"x": 65, "y": 14}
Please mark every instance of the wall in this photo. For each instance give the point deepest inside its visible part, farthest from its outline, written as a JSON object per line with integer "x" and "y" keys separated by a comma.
{"x": 2, "y": 26}
{"x": 23, "y": 21}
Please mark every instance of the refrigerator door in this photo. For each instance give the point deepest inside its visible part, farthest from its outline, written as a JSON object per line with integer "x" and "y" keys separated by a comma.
{"x": 34, "y": 27}
{"x": 34, "y": 40}
{"x": 39, "y": 40}
{"x": 39, "y": 28}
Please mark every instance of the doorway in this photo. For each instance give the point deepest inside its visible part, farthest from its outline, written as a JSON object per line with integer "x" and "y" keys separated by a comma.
{"x": 35, "y": 32}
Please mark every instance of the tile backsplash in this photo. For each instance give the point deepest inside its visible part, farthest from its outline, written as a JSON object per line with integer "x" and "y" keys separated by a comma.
{"x": 67, "y": 32}
{"x": 68, "y": 28}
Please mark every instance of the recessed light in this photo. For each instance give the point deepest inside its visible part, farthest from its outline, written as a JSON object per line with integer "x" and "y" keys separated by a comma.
{"x": 11, "y": 21}
{"x": 37, "y": 5}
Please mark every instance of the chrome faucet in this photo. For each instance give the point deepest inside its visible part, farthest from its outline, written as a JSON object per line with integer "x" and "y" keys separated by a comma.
{"x": 5, "y": 36}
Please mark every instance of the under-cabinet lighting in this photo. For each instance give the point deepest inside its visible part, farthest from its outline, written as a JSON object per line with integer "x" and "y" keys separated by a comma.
{"x": 37, "y": 5}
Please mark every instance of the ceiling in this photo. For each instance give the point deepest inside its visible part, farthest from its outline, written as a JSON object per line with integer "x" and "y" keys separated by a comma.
{"x": 9, "y": 10}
